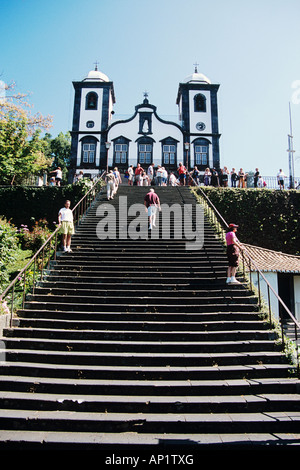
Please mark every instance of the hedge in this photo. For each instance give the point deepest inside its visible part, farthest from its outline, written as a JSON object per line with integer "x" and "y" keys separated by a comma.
{"x": 266, "y": 218}
{"x": 25, "y": 204}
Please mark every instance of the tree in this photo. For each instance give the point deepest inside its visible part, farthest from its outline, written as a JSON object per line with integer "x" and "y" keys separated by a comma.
{"x": 59, "y": 149}
{"x": 22, "y": 150}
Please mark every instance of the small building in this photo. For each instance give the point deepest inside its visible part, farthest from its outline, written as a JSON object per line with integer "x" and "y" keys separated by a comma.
{"x": 100, "y": 140}
{"x": 282, "y": 271}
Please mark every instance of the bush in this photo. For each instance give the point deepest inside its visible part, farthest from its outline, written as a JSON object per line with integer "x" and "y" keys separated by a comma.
{"x": 26, "y": 205}
{"x": 4, "y": 309}
{"x": 35, "y": 238}
{"x": 266, "y": 218}
{"x": 8, "y": 247}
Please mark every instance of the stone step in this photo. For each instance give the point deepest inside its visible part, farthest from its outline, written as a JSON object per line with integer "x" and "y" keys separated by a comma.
{"x": 96, "y": 372}
{"x": 263, "y": 346}
{"x": 145, "y": 444}
{"x": 132, "y": 335}
{"x": 143, "y": 359}
{"x": 149, "y": 404}
{"x": 89, "y": 241}
{"x": 141, "y": 307}
{"x": 195, "y": 276}
{"x": 182, "y": 268}
{"x": 142, "y": 299}
{"x": 205, "y": 280}
{"x": 136, "y": 305}
{"x": 107, "y": 257}
{"x": 138, "y": 265}
{"x": 134, "y": 277}
{"x": 136, "y": 387}
{"x": 182, "y": 317}
{"x": 99, "y": 248}
{"x": 142, "y": 326}
{"x": 161, "y": 289}
{"x": 145, "y": 423}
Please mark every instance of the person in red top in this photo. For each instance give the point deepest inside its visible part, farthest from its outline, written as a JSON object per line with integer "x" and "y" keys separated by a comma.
{"x": 151, "y": 202}
{"x": 182, "y": 173}
{"x": 138, "y": 175}
{"x": 233, "y": 251}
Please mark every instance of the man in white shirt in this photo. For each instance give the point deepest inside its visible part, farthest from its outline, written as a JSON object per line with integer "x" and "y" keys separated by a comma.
{"x": 150, "y": 172}
{"x": 65, "y": 221}
{"x": 280, "y": 178}
{"x": 172, "y": 180}
{"x": 110, "y": 185}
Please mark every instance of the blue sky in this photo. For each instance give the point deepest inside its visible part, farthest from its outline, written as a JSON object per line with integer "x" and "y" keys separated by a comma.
{"x": 251, "y": 49}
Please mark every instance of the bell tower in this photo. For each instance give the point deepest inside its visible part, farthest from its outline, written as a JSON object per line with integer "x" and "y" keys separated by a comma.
{"x": 93, "y": 106}
{"x": 198, "y": 112}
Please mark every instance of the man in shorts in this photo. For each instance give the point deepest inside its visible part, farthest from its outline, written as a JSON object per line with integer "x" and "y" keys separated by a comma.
{"x": 233, "y": 251}
{"x": 151, "y": 202}
{"x": 138, "y": 175}
{"x": 182, "y": 174}
{"x": 280, "y": 179}
{"x": 65, "y": 221}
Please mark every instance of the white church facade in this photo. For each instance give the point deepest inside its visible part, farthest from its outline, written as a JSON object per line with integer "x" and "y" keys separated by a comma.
{"x": 100, "y": 141}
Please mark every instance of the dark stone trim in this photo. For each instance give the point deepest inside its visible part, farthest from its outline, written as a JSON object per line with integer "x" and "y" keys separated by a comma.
{"x": 146, "y": 138}
{"x": 169, "y": 137}
{"x": 214, "y": 112}
{"x": 185, "y": 109}
{"x": 121, "y": 137}
{"x": 76, "y": 110}
{"x": 74, "y": 146}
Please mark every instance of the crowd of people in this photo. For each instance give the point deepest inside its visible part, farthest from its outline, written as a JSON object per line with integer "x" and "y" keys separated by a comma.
{"x": 222, "y": 177}
{"x": 160, "y": 176}
{"x": 211, "y": 177}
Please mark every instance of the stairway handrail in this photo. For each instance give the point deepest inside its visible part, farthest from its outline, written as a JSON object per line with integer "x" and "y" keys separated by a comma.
{"x": 81, "y": 204}
{"x": 259, "y": 273}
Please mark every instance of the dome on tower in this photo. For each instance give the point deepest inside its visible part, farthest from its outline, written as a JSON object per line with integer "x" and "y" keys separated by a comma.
{"x": 197, "y": 78}
{"x": 96, "y": 75}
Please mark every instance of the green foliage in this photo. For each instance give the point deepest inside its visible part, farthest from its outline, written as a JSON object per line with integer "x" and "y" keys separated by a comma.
{"x": 22, "y": 151}
{"x": 266, "y": 218}
{"x": 4, "y": 309}
{"x": 26, "y": 205}
{"x": 59, "y": 149}
{"x": 8, "y": 247}
{"x": 35, "y": 238}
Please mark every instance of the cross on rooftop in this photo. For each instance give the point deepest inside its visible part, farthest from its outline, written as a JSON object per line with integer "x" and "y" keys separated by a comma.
{"x": 96, "y": 65}
{"x": 196, "y": 67}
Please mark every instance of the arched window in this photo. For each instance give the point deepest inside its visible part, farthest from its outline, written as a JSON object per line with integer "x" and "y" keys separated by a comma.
{"x": 200, "y": 103}
{"x": 91, "y": 101}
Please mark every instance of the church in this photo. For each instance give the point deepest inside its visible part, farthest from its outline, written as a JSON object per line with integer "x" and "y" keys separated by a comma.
{"x": 100, "y": 141}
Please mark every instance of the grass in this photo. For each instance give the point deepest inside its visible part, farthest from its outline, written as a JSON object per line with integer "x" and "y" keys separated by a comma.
{"x": 21, "y": 259}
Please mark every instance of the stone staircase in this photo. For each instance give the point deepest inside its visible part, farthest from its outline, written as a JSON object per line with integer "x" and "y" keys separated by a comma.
{"x": 140, "y": 342}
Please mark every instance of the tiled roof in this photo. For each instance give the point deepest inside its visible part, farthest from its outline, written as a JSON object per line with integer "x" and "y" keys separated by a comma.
{"x": 269, "y": 260}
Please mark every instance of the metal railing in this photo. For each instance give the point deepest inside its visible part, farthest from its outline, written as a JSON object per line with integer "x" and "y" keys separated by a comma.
{"x": 247, "y": 260}
{"x": 26, "y": 280}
